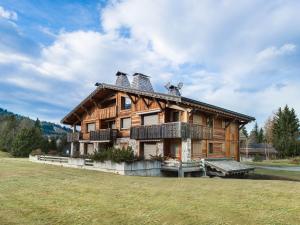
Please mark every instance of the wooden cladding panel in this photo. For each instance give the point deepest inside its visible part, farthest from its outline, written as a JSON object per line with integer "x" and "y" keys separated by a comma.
{"x": 219, "y": 133}
{"x": 218, "y": 123}
{"x": 196, "y": 149}
{"x": 106, "y": 113}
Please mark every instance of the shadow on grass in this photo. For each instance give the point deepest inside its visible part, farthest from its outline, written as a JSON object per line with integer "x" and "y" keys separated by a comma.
{"x": 255, "y": 176}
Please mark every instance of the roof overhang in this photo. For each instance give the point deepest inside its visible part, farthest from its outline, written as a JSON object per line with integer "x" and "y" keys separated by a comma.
{"x": 104, "y": 90}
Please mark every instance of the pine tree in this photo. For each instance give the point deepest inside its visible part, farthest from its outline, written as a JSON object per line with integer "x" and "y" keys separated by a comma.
{"x": 260, "y": 136}
{"x": 254, "y": 134}
{"x": 286, "y": 131}
{"x": 245, "y": 132}
{"x": 27, "y": 140}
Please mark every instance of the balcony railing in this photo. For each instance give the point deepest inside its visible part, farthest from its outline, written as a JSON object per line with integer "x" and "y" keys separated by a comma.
{"x": 171, "y": 130}
{"x": 109, "y": 112}
{"x": 98, "y": 135}
{"x": 73, "y": 137}
{"x": 103, "y": 135}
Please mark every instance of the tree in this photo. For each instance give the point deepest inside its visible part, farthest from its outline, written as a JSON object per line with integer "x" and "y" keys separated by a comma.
{"x": 260, "y": 136}
{"x": 245, "y": 132}
{"x": 253, "y": 137}
{"x": 268, "y": 130}
{"x": 286, "y": 131}
{"x": 26, "y": 140}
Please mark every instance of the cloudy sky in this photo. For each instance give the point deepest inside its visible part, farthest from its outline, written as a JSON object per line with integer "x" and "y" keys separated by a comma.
{"x": 241, "y": 55}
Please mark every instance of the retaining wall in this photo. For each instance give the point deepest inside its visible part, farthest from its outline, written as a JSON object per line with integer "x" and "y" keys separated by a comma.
{"x": 138, "y": 168}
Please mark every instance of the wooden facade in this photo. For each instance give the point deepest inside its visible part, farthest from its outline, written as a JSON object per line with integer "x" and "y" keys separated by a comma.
{"x": 118, "y": 116}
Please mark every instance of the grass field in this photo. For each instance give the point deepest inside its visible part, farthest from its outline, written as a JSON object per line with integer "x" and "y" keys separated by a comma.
{"x": 279, "y": 174}
{"x": 278, "y": 162}
{"x": 43, "y": 194}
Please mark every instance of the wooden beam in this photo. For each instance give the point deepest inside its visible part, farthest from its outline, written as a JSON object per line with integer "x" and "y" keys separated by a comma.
{"x": 241, "y": 127}
{"x": 78, "y": 117}
{"x": 144, "y": 101}
{"x": 95, "y": 103}
{"x": 158, "y": 103}
{"x": 131, "y": 98}
{"x": 85, "y": 109}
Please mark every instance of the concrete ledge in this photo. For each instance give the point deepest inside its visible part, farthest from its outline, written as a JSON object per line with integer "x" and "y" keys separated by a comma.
{"x": 138, "y": 168}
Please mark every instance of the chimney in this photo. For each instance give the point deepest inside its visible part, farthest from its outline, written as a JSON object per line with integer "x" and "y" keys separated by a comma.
{"x": 122, "y": 80}
{"x": 173, "y": 89}
{"x": 141, "y": 82}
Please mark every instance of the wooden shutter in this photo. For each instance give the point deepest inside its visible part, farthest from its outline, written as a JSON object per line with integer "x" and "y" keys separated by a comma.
{"x": 150, "y": 119}
{"x": 149, "y": 149}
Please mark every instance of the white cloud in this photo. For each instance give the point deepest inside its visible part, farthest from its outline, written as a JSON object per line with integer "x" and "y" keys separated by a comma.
{"x": 7, "y": 14}
{"x": 272, "y": 52}
{"x": 229, "y": 53}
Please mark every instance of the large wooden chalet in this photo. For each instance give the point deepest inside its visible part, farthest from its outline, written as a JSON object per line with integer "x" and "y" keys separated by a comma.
{"x": 153, "y": 123}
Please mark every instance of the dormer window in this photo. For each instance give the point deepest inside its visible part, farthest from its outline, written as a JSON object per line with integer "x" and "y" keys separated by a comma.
{"x": 125, "y": 103}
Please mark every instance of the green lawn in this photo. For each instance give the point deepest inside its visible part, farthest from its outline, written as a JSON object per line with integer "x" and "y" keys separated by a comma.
{"x": 4, "y": 154}
{"x": 279, "y": 174}
{"x": 277, "y": 162}
{"x": 32, "y": 193}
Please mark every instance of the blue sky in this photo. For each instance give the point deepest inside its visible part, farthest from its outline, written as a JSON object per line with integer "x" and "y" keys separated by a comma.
{"x": 241, "y": 55}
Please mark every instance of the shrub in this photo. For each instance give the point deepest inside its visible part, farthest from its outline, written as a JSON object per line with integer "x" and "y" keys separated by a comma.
{"x": 115, "y": 155}
{"x": 295, "y": 160}
{"x": 36, "y": 152}
{"x": 102, "y": 155}
{"x": 257, "y": 158}
{"x": 52, "y": 152}
{"x": 157, "y": 157}
{"x": 122, "y": 155}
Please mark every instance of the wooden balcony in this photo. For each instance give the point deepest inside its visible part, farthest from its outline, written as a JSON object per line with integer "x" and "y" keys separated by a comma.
{"x": 107, "y": 113}
{"x": 171, "y": 130}
{"x": 103, "y": 135}
{"x": 98, "y": 135}
{"x": 73, "y": 137}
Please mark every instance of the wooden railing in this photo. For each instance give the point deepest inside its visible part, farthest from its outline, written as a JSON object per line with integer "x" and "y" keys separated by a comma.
{"x": 53, "y": 158}
{"x": 98, "y": 135}
{"x": 103, "y": 135}
{"x": 72, "y": 137}
{"x": 171, "y": 130}
{"x": 109, "y": 112}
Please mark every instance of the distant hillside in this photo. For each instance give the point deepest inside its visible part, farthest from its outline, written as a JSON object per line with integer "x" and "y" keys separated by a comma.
{"x": 48, "y": 128}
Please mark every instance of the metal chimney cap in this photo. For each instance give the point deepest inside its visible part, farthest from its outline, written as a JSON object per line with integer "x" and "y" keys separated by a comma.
{"x": 140, "y": 74}
{"x": 119, "y": 73}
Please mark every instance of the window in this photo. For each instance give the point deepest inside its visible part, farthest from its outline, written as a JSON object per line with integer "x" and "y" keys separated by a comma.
{"x": 210, "y": 122}
{"x": 91, "y": 127}
{"x": 150, "y": 119}
{"x": 111, "y": 124}
{"x": 125, "y": 123}
{"x": 125, "y": 103}
{"x": 210, "y": 148}
{"x": 175, "y": 116}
